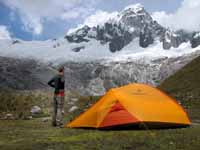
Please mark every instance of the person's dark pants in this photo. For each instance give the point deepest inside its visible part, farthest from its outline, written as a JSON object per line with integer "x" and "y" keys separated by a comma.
{"x": 58, "y": 109}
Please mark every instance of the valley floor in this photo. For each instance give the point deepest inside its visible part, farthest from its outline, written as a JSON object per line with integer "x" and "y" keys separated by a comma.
{"x": 38, "y": 135}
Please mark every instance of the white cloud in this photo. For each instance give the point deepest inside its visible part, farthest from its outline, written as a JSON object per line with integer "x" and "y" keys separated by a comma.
{"x": 186, "y": 17}
{"x": 70, "y": 15}
{"x": 100, "y": 17}
{"x": 76, "y": 13}
{"x": 32, "y": 24}
{"x": 34, "y": 12}
{"x": 162, "y": 17}
{"x": 4, "y": 33}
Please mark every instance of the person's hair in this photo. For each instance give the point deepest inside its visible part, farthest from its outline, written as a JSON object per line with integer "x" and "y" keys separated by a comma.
{"x": 61, "y": 69}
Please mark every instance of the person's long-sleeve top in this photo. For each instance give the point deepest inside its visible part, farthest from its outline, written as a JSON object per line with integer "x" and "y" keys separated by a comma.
{"x": 58, "y": 83}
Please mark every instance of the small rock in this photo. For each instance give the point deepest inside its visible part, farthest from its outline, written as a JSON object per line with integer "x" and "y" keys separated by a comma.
{"x": 45, "y": 119}
{"x": 30, "y": 117}
{"x": 73, "y": 108}
{"x": 9, "y": 116}
{"x": 74, "y": 99}
{"x": 36, "y": 110}
{"x": 179, "y": 102}
{"x": 70, "y": 103}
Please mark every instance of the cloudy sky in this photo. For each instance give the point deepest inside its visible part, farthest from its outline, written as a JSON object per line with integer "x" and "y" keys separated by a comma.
{"x": 45, "y": 19}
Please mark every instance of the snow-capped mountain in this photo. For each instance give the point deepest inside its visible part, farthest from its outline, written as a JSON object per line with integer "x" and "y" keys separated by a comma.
{"x": 129, "y": 47}
{"x": 133, "y": 22}
{"x": 130, "y": 33}
{"x": 95, "y": 78}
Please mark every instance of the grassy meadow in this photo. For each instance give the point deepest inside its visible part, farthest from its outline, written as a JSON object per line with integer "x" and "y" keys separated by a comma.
{"x": 37, "y": 134}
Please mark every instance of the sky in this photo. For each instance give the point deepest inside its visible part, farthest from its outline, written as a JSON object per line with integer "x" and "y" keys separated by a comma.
{"x": 48, "y": 19}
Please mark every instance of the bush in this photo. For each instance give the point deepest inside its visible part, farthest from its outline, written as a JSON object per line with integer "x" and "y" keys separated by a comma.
{"x": 19, "y": 103}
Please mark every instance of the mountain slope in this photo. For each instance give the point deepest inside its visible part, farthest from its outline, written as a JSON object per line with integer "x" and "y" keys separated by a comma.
{"x": 89, "y": 78}
{"x": 131, "y": 47}
{"x": 23, "y": 74}
{"x": 184, "y": 85}
{"x": 95, "y": 78}
{"x": 185, "y": 80}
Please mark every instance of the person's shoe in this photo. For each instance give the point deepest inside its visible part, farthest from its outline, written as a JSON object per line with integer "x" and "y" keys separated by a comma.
{"x": 54, "y": 124}
{"x": 61, "y": 126}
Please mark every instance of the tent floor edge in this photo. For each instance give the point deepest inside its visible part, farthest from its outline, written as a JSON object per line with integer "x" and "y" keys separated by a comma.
{"x": 145, "y": 126}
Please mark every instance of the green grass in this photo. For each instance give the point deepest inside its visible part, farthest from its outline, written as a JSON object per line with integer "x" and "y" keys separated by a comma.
{"x": 35, "y": 134}
{"x": 19, "y": 103}
{"x": 38, "y": 135}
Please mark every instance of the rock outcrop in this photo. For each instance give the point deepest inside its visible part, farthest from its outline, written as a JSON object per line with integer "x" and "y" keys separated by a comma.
{"x": 171, "y": 39}
{"x": 195, "y": 40}
{"x": 23, "y": 74}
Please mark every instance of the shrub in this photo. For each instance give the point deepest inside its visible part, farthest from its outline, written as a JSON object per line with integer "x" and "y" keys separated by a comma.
{"x": 19, "y": 103}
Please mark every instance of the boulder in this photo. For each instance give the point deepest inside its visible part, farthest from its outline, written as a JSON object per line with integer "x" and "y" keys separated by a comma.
{"x": 46, "y": 119}
{"x": 72, "y": 109}
{"x": 36, "y": 110}
{"x": 9, "y": 116}
{"x": 28, "y": 118}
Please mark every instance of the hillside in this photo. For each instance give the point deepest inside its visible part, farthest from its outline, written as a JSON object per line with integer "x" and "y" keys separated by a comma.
{"x": 185, "y": 81}
{"x": 184, "y": 85}
{"x": 23, "y": 74}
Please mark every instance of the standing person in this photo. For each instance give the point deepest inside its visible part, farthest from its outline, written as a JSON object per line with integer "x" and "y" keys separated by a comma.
{"x": 58, "y": 82}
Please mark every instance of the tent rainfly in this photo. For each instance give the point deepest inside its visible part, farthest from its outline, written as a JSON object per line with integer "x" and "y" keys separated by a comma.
{"x": 133, "y": 104}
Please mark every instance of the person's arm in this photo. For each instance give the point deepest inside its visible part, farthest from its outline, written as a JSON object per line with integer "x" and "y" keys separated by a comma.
{"x": 52, "y": 82}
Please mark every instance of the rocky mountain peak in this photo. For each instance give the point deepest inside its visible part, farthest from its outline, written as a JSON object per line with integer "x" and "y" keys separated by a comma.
{"x": 121, "y": 30}
{"x": 135, "y": 8}
{"x": 171, "y": 39}
{"x": 134, "y": 15}
{"x": 79, "y": 35}
{"x": 131, "y": 23}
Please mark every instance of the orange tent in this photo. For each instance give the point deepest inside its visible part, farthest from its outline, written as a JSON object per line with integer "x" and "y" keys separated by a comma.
{"x": 131, "y": 105}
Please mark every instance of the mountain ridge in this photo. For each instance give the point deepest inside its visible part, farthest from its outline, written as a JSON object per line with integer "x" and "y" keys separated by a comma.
{"x": 119, "y": 54}
{"x": 134, "y": 21}
{"x": 132, "y": 33}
